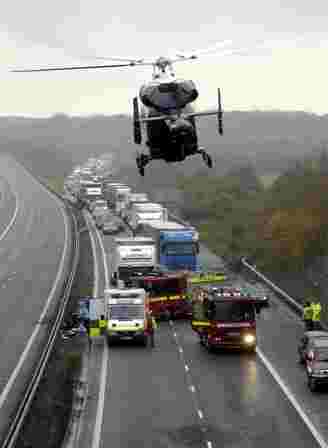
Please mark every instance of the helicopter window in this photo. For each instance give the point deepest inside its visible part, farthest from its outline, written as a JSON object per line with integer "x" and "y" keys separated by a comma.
{"x": 168, "y": 87}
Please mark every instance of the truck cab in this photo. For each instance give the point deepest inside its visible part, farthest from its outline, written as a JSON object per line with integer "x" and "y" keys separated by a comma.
{"x": 126, "y": 315}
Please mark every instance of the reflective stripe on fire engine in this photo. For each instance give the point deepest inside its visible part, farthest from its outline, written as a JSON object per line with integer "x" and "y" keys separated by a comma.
{"x": 208, "y": 278}
{"x": 163, "y": 299}
{"x": 198, "y": 323}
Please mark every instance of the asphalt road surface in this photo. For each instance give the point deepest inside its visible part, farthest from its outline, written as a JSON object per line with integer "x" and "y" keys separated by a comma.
{"x": 179, "y": 395}
{"x": 30, "y": 258}
{"x": 7, "y": 205}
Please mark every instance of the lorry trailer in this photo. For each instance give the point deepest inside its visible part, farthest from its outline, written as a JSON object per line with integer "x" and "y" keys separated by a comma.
{"x": 177, "y": 246}
{"x": 132, "y": 255}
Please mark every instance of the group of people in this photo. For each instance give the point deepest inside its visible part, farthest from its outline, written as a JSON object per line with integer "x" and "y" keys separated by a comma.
{"x": 312, "y": 315}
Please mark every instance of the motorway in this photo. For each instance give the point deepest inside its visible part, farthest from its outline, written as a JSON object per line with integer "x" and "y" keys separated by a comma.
{"x": 33, "y": 256}
{"x": 179, "y": 395}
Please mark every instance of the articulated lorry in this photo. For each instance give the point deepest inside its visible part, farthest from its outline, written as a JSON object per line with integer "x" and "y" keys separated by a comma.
{"x": 177, "y": 246}
{"x": 134, "y": 198}
{"x": 90, "y": 191}
{"x": 126, "y": 315}
{"x": 109, "y": 192}
{"x": 146, "y": 212}
{"x": 120, "y": 199}
{"x": 132, "y": 255}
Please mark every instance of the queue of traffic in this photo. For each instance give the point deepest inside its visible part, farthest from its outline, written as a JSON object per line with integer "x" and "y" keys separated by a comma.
{"x": 156, "y": 272}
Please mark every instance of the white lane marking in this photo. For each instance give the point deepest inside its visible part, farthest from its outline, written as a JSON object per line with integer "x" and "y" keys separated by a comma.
{"x": 186, "y": 368}
{"x": 200, "y": 414}
{"x": 192, "y": 388}
{"x": 174, "y": 334}
{"x": 180, "y": 349}
{"x": 95, "y": 258}
{"x": 209, "y": 444}
{"x": 104, "y": 364}
{"x": 8, "y": 386}
{"x": 101, "y": 244}
{"x": 13, "y": 219}
{"x": 316, "y": 434}
{"x": 101, "y": 399}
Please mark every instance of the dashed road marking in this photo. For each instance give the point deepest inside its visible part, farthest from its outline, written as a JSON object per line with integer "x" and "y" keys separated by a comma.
{"x": 191, "y": 387}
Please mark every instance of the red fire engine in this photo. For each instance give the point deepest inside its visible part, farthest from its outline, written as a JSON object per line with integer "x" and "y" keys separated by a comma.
{"x": 168, "y": 293}
{"x": 225, "y": 318}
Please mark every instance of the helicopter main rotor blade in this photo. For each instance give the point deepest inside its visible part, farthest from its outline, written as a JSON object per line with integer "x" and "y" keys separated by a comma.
{"x": 194, "y": 54}
{"x": 78, "y": 67}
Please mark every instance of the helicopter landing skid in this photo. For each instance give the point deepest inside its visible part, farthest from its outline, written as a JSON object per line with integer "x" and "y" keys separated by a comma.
{"x": 206, "y": 157}
{"x": 142, "y": 161}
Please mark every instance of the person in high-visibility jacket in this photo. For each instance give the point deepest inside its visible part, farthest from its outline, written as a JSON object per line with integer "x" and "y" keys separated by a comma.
{"x": 316, "y": 316}
{"x": 102, "y": 324}
{"x": 307, "y": 316}
{"x": 151, "y": 327}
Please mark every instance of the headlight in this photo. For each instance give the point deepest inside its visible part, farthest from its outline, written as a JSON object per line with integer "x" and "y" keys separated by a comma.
{"x": 249, "y": 338}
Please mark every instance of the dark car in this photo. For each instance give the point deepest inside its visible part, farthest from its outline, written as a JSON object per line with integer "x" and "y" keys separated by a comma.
{"x": 316, "y": 359}
{"x": 306, "y": 339}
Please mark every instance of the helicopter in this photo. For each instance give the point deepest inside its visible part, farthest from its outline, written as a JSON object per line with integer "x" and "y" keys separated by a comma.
{"x": 166, "y": 113}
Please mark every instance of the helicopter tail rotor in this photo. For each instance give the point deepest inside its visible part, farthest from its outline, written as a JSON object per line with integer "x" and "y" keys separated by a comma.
{"x": 220, "y": 113}
{"x": 136, "y": 122}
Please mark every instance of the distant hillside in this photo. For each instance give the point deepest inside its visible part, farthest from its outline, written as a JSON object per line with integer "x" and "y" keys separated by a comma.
{"x": 269, "y": 139}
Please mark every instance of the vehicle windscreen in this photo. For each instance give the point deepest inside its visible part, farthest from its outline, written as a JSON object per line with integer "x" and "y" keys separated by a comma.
{"x": 233, "y": 312}
{"x": 181, "y": 249}
{"x": 126, "y": 312}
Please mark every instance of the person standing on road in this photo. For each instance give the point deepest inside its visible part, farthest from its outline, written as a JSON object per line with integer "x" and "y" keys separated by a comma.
{"x": 151, "y": 327}
{"x": 307, "y": 316}
{"x": 316, "y": 317}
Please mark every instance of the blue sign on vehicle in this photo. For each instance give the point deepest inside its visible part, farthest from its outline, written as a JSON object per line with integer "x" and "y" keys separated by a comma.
{"x": 84, "y": 308}
{"x": 93, "y": 315}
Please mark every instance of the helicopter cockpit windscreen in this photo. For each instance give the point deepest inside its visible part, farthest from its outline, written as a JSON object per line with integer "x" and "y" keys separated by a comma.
{"x": 171, "y": 95}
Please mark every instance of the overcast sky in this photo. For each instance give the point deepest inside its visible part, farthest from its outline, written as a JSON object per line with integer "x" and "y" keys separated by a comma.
{"x": 289, "y": 74}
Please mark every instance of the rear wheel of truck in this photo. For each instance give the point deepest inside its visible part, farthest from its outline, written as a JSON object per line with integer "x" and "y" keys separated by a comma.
{"x": 109, "y": 341}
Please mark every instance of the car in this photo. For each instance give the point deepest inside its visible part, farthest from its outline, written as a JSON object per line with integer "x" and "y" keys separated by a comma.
{"x": 306, "y": 339}
{"x": 97, "y": 203}
{"x": 111, "y": 228}
{"x": 316, "y": 359}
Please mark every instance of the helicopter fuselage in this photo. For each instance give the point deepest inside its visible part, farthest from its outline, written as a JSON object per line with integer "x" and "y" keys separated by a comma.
{"x": 174, "y": 138}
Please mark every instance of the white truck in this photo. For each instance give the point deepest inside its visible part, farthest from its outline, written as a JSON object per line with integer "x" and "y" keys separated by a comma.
{"x": 146, "y": 212}
{"x": 121, "y": 199}
{"x": 131, "y": 255}
{"x": 109, "y": 192}
{"x": 126, "y": 315}
{"x": 134, "y": 198}
{"x": 90, "y": 191}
